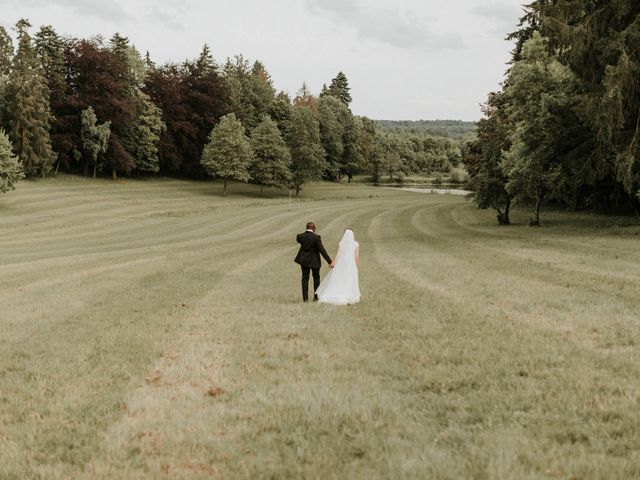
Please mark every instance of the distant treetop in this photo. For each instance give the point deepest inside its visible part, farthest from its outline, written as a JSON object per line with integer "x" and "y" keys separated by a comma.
{"x": 457, "y": 129}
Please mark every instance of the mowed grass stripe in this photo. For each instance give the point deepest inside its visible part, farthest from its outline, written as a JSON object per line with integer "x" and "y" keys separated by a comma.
{"x": 572, "y": 303}
{"x": 198, "y": 359}
{"x": 555, "y": 268}
{"x": 208, "y": 437}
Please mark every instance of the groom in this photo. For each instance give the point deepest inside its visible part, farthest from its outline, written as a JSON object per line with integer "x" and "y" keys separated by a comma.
{"x": 309, "y": 259}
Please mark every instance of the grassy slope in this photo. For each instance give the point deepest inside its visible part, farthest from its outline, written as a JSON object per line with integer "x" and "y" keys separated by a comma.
{"x": 153, "y": 329}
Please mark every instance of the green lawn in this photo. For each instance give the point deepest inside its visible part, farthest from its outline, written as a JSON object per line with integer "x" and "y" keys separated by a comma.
{"x": 153, "y": 329}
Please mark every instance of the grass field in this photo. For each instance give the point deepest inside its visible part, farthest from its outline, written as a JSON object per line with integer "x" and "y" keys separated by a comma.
{"x": 153, "y": 329}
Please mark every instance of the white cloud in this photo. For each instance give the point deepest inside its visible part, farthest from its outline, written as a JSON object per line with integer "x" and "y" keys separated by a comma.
{"x": 502, "y": 15}
{"x": 104, "y": 10}
{"x": 394, "y": 27}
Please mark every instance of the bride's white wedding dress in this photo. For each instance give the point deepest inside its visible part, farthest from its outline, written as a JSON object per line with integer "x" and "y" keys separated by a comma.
{"x": 340, "y": 286}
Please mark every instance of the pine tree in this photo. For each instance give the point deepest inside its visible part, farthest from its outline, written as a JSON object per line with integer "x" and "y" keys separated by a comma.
{"x": 29, "y": 111}
{"x": 307, "y": 155}
{"x": 10, "y": 169}
{"x": 331, "y": 133}
{"x": 304, "y": 98}
{"x": 339, "y": 88}
{"x": 368, "y": 153}
{"x": 6, "y": 52}
{"x": 599, "y": 41}
{"x": 6, "y": 55}
{"x": 281, "y": 111}
{"x": 272, "y": 160}
{"x": 228, "y": 153}
{"x": 95, "y": 138}
{"x": 250, "y": 90}
{"x": 120, "y": 47}
{"x": 350, "y": 161}
{"x": 50, "y": 50}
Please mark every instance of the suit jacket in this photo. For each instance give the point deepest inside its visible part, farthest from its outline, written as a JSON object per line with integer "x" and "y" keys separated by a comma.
{"x": 310, "y": 250}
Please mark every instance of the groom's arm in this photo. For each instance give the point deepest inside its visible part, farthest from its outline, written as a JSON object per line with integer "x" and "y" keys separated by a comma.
{"x": 323, "y": 252}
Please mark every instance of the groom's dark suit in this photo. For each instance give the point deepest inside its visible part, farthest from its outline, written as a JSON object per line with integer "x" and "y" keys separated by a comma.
{"x": 309, "y": 259}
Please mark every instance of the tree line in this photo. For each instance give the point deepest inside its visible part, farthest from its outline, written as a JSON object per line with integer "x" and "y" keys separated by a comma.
{"x": 565, "y": 127}
{"x": 100, "y": 107}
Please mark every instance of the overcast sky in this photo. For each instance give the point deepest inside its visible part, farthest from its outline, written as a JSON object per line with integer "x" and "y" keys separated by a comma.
{"x": 405, "y": 59}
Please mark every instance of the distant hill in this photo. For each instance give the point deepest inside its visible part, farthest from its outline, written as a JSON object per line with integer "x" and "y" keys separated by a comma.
{"x": 440, "y": 128}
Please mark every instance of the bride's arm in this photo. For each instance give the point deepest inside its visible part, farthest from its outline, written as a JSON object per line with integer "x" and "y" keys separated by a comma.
{"x": 357, "y": 254}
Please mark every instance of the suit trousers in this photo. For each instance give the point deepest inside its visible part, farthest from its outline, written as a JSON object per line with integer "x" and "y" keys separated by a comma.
{"x": 305, "y": 281}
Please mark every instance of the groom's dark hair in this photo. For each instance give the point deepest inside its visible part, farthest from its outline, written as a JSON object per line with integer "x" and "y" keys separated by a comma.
{"x": 311, "y": 226}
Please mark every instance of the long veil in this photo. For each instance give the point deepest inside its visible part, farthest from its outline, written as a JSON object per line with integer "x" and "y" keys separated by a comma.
{"x": 346, "y": 248}
{"x": 340, "y": 286}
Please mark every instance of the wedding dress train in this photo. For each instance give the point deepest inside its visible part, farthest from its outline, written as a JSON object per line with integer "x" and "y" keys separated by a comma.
{"x": 341, "y": 286}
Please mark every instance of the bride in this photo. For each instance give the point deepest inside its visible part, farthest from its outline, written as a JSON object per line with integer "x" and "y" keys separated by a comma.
{"x": 340, "y": 286}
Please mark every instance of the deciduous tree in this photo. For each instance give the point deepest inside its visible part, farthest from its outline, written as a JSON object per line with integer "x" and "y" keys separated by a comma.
{"x": 228, "y": 153}
{"x": 272, "y": 160}
{"x": 95, "y": 138}
{"x": 307, "y": 155}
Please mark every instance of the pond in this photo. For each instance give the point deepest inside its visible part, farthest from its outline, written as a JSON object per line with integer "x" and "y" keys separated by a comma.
{"x": 436, "y": 189}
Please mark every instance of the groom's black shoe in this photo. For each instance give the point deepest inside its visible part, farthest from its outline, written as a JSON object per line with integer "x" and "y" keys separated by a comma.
{"x": 315, "y": 298}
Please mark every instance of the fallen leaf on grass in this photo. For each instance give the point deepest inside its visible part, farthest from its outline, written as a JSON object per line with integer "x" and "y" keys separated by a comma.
{"x": 215, "y": 392}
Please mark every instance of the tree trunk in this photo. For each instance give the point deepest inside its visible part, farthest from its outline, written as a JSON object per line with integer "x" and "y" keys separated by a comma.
{"x": 224, "y": 189}
{"x": 507, "y": 209}
{"x": 349, "y": 179}
{"x": 297, "y": 190}
{"x": 535, "y": 221}
{"x": 261, "y": 189}
{"x": 95, "y": 169}
{"x": 114, "y": 175}
{"x": 635, "y": 205}
{"x": 503, "y": 217}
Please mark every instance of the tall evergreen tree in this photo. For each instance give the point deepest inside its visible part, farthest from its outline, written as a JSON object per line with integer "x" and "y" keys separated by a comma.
{"x": 331, "y": 123}
{"x": 350, "y": 162}
{"x": 281, "y": 111}
{"x": 50, "y": 49}
{"x": 367, "y": 145}
{"x": 599, "y": 41}
{"x": 10, "y": 168}
{"x": 530, "y": 22}
{"x": 340, "y": 89}
{"x": 304, "y": 98}
{"x": 250, "y": 90}
{"x": 307, "y": 155}
{"x": 272, "y": 160}
{"x": 6, "y": 56}
{"x": 228, "y": 153}
{"x": 28, "y": 107}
